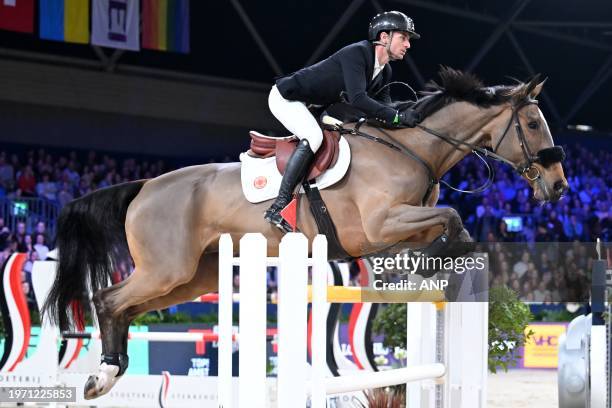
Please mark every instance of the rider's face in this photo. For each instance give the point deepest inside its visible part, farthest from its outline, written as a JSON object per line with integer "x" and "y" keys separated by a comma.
{"x": 400, "y": 42}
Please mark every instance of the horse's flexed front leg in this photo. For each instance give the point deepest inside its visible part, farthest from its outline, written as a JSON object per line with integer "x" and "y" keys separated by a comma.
{"x": 408, "y": 223}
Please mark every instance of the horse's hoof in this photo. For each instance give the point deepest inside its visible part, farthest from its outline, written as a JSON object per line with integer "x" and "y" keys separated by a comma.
{"x": 90, "y": 391}
{"x": 100, "y": 384}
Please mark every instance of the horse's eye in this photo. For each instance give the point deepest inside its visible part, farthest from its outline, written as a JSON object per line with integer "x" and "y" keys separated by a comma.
{"x": 533, "y": 124}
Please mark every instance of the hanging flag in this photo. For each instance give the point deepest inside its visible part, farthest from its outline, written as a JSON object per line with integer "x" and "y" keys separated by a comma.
{"x": 17, "y": 15}
{"x": 64, "y": 20}
{"x": 116, "y": 24}
{"x": 165, "y": 25}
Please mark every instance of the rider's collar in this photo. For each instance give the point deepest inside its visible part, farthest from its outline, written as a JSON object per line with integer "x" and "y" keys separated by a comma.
{"x": 377, "y": 67}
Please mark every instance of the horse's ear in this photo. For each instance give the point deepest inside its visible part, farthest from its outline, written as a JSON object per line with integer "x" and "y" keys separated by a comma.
{"x": 526, "y": 90}
{"x": 537, "y": 88}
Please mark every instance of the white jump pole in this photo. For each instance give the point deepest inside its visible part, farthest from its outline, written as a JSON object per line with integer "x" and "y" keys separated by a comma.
{"x": 292, "y": 328}
{"x": 369, "y": 380}
{"x": 225, "y": 328}
{"x": 177, "y": 337}
{"x": 253, "y": 303}
{"x": 318, "y": 398}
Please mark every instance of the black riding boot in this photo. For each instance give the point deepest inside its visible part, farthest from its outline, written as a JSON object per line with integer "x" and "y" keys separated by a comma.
{"x": 296, "y": 169}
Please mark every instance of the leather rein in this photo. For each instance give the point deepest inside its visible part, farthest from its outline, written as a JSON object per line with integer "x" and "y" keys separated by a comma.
{"x": 526, "y": 168}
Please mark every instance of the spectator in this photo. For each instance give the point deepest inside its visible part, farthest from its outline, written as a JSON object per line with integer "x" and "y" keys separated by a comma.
{"x": 27, "y": 245}
{"x": 555, "y": 228}
{"x": 41, "y": 228}
{"x": 29, "y": 294}
{"x": 585, "y": 194}
{"x": 527, "y": 292}
{"x": 84, "y": 187}
{"x": 26, "y": 182}
{"x": 591, "y": 223}
{"x": 46, "y": 188}
{"x": 29, "y": 264}
{"x": 486, "y": 224}
{"x": 573, "y": 229}
{"x": 521, "y": 266}
{"x": 5, "y": 234}
{"x": 108, "y": 180}
{"x": 544, "y": 264}
{"x": 40, "y": 246}
{"x": 503, "y": 233}
{"x": 70, "y": 173}
{"x": 12, "y": 247}
{"x": 480, "y": 210}
{"x": 65, "y": 195}
{"x": 7, "y": 173}
{"x": 45, "y": 164}
{"x": 20, "y": 236}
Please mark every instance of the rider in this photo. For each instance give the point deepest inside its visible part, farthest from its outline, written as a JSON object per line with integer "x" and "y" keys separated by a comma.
{"x": 356, "y": 73}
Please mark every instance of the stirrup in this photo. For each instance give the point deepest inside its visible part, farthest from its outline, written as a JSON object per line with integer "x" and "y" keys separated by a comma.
{"x": 272, "y": 212}
{"x": 276, "y": 219}
{"x": 283, "y": 226}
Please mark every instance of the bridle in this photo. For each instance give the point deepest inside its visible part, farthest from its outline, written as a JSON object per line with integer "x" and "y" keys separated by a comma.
{"x": 526, "y": 168}
{"x": 544, "y": 157}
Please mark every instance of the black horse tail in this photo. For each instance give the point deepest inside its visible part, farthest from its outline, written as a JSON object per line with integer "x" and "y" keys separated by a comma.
{"x": 91, "y": 240}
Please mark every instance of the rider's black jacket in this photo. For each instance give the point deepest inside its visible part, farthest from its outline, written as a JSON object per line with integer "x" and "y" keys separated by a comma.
{"x": 344, "y": 76}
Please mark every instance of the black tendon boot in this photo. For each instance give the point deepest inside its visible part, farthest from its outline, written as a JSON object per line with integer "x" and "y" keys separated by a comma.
{"x": 296, "y": 169}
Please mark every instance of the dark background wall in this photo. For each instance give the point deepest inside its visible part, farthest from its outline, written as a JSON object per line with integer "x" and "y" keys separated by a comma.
{"x": 148, "y": 102}
{"x": 50, "y": 126}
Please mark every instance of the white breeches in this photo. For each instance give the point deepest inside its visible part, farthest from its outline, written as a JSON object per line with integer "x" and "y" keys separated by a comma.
{"x": 296, "y": 118}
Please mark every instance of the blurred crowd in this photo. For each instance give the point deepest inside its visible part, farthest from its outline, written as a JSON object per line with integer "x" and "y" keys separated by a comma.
{"x": 505, "y": 213}
{"x": 583, "y": 214}
{"x": 542, "y": 272}
{"x": 56, "y": 179}
{"x": 507, "y": 218}
{"x": 64, "y": 177}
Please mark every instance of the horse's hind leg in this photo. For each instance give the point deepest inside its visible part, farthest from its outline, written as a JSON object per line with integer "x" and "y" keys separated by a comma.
{"x": 205, "y": 281}
{"x": 113, "y": 334}
{"x": 112, "y": 304}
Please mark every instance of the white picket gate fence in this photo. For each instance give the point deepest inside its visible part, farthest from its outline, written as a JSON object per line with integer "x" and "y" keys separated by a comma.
{"x": 447, "y": 347}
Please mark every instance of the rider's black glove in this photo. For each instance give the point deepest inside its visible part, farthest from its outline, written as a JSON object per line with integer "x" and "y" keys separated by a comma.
{"x": 407, "y": 117}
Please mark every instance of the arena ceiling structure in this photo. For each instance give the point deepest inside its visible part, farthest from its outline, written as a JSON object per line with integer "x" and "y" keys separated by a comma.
{"x": 241, "y": 46}
{"x": 570, "y": 42}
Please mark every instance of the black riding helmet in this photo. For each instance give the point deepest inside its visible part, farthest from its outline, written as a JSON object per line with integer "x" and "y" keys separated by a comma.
{"x": 391, "y": 21}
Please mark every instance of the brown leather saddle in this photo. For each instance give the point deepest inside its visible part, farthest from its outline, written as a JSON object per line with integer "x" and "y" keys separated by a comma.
{"x": 263, "y": 146}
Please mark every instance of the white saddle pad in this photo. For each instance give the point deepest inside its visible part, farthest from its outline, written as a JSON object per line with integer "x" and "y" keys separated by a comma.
{"x": 261, "y": 179}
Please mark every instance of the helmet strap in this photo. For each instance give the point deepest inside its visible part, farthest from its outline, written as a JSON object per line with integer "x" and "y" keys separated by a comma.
{"x": 388, "y": 46}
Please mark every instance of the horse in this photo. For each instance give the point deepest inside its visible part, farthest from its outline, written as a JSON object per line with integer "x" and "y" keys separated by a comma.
{"x": 170, "y": 225}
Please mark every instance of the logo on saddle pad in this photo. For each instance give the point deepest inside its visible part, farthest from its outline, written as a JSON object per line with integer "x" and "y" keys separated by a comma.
{"x": 261, "y": 179}
{"x": 260, "y": 182}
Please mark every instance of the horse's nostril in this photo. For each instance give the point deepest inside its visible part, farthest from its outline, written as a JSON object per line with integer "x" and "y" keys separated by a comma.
{"x": 560, "y": 185}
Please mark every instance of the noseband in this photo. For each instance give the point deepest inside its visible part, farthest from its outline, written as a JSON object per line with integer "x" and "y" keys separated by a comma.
{"x": 544, "y": 157}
